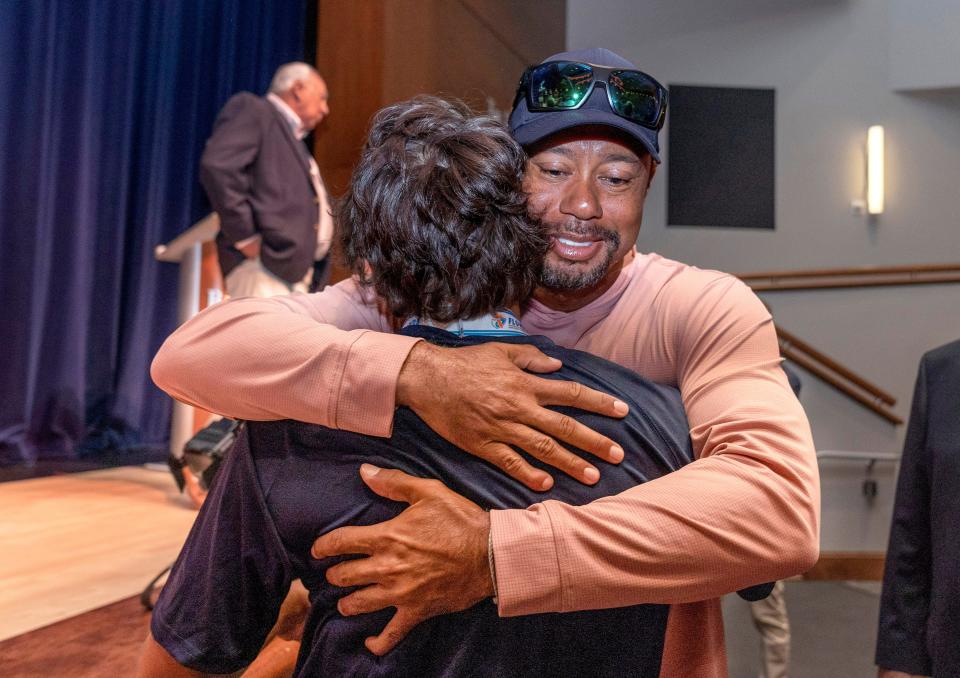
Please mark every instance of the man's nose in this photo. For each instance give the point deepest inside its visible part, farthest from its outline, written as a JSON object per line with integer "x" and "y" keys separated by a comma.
{"x": 580, "y": 200}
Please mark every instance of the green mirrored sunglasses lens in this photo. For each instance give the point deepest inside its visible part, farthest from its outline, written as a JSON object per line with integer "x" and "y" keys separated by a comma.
{"x": 634, "y": 97}
{"x": 559, "y": 84}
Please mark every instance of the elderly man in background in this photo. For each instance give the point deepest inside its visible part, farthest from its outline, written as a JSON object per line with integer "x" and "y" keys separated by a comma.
{"x": 275, "y": 223}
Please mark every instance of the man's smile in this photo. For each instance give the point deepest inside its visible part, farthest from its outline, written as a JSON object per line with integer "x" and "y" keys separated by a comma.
{"x": 575, "y": 247}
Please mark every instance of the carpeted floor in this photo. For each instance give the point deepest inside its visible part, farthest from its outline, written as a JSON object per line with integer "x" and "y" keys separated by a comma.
{"x": 833, "y": 625}
{"x": 104, "y": 642}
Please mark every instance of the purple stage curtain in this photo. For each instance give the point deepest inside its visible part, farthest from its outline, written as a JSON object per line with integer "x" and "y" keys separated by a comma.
{"x": 104, "y": 111}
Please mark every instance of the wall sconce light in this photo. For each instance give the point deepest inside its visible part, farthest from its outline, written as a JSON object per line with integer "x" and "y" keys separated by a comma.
{"x": 875, "y": 169}
{"x": 873, "y": 204}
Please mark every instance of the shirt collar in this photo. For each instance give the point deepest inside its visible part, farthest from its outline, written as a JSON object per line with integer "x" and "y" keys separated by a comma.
{"x": 293, "y": 120}
{"x": 541, "y": 316}
{"x": 500, "y": 323}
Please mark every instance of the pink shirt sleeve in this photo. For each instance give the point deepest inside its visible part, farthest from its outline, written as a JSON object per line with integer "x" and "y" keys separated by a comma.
{"x": 322, "y": 358}
{"x": 746, "y": 511}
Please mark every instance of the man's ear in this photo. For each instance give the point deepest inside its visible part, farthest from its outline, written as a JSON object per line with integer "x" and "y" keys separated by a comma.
{"x": 653, "y": 170}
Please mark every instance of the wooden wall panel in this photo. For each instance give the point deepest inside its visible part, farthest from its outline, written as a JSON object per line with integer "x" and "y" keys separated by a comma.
{"x": 531, "y": 30}
{"x": 350, "y": 58}
{"x": 470, "y": 61}
{"x": 471, "y": 49}
{"x": 376, "y": 52}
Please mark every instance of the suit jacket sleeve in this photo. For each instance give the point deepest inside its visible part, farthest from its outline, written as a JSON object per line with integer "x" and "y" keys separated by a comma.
{"x": 905, "y": 601}
{"x": 224, "y": 166}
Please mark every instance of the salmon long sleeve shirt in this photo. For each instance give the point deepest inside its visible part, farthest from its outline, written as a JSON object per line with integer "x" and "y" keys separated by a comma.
{"x": 745, "y": 511}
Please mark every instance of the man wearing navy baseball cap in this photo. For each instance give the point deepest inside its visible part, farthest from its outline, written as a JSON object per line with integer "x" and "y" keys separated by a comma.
{"x": 588, "y": 112}
{"x": 745, "y": 511}
{"x": 630, "y": 102}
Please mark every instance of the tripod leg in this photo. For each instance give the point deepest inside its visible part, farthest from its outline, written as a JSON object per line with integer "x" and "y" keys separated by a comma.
{"x": 146, "y": 596}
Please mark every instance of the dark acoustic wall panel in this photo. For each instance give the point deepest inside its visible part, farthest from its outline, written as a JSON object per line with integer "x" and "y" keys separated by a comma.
{"x": 721, "y": 157}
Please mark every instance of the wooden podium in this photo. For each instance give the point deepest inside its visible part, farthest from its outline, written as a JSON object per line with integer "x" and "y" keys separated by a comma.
{"x": 200, "y": 285}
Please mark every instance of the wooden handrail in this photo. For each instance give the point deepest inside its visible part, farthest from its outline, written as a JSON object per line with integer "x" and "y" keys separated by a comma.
{"x": 794, "y": 341}
{"x": 834, "y": 278}
{"x": 840, "y": 284}
{"x": 843, "y": 379}
{"x": 863, "y": 270}
{"x": 825, "y": 375}
{"x": 820, "y": 364}
{"x": 847, "y": 566}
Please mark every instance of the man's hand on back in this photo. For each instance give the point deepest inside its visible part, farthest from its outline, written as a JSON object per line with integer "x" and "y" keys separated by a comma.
{"x": 429, "y": 560}
{"x": 481, "y": 400}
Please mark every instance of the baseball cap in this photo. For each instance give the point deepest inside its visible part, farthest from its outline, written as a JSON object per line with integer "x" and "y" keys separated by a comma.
{"x": 528, "y": 127}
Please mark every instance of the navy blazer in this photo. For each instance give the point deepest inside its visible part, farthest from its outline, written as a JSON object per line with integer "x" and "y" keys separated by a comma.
{"x": 920, "y": 605}
{"x": 257, "y": 175}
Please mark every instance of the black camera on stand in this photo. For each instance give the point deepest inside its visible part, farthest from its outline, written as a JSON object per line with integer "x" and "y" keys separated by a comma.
{"x": 204, "y": 452}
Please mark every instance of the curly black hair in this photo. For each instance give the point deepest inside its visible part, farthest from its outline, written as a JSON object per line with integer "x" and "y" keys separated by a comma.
{"x": 435, "y": 219}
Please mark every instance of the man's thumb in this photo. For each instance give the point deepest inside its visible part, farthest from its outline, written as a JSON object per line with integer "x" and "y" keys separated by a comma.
{"x": 393, "y": 484}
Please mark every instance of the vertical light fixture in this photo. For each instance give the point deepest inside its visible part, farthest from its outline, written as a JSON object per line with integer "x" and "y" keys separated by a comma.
{"x": 875, "y": 169}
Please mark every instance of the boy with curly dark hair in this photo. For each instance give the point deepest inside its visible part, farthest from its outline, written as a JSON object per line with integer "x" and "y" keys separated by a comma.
{"x": 435, "y": 219}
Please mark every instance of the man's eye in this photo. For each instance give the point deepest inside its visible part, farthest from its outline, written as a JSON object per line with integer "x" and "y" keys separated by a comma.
{"x": 617, "y": 181}
{"x": 551, "y": 171}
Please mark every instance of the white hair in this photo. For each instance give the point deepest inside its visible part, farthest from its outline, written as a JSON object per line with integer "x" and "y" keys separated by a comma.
{"x": 290, "y": 73}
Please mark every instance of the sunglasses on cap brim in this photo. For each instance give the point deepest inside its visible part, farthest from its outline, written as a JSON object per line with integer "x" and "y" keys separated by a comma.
{"x": 566, "y": 85}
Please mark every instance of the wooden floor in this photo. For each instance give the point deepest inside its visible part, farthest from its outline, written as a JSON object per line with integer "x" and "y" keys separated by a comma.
{"x": 75, "y": 543}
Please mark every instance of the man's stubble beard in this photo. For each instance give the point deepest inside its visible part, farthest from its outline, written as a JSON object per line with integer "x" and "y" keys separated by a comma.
{"x": 566, "y": 276}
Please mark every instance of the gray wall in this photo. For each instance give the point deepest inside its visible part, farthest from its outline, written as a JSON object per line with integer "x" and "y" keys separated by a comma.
{"x": 924, "y": 49}
{"x": 828, "y": 61}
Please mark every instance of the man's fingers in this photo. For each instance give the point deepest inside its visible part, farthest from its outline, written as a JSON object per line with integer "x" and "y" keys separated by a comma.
{"x": 567, "y": 429}
{"x": 362, "y": 601}
{"x": 357, "y": 572}
{"x": 396, "y": 630}
{"x": 530, "y": 358}
{"x": 345, "y": 541}
{"x": 396, "y": 485}
{"x": 514, "y": 465}
{"x": 572, "y": 394}
{"x": 549, "y": 451}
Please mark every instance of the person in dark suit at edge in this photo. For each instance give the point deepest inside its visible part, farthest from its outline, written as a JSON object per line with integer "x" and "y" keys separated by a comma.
{"x": 264, "y": 184}
{"x": 919, "y": 630}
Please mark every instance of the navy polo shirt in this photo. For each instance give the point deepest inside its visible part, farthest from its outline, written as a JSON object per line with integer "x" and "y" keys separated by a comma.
{"x": 285, "y": 483}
